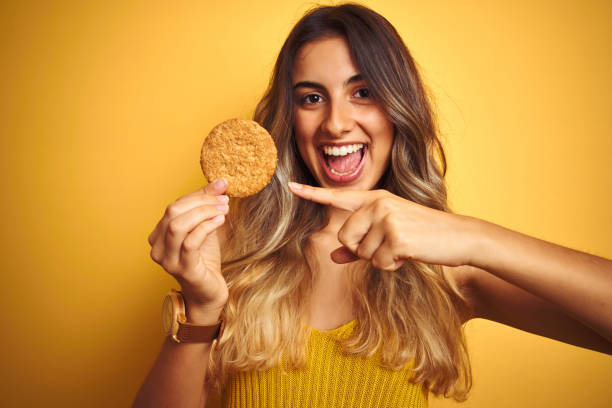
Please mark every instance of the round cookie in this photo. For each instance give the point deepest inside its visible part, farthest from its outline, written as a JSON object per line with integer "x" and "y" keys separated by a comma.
{"x": 241, "y": 151}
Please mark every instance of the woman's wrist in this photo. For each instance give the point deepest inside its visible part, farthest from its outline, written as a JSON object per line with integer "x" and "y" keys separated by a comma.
{"x": 201, "y": 311}
{"x": 202, "y": 314}
{"x": 477, "y": 241}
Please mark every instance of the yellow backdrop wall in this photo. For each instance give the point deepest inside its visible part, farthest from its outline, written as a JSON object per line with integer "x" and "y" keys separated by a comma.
{"x": 104, "y": 106}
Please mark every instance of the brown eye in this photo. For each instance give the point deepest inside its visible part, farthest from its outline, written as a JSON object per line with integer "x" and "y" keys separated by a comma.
{"x": 311, "y": 99}
{"x": 362, "y": 93}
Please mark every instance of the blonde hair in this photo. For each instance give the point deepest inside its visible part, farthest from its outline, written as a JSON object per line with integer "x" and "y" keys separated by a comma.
{"x": 412, "y": 314}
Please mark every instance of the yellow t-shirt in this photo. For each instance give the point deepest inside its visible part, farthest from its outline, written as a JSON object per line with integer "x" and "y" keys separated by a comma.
{"x": 330, "y": 379}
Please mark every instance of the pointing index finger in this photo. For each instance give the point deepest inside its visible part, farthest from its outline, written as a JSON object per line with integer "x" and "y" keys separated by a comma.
{"x": 350, "y": 200}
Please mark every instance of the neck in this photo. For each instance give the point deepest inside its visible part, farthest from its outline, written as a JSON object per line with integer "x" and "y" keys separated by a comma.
{"x": 335, "y": 220}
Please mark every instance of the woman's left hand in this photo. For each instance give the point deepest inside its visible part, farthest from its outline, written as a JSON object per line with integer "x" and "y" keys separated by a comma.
{"x": 386, "y": 229}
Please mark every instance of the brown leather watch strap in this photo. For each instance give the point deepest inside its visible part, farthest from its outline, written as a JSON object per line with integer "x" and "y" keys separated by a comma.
{"x": 190, "y": 333}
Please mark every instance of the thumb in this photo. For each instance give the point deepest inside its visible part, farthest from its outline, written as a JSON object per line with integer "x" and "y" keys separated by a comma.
{"x": 216, "y": 187}
{"x": 343, "y": 255}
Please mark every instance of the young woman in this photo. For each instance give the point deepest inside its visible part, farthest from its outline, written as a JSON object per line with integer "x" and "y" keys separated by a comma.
{"x": 351, "y": 287}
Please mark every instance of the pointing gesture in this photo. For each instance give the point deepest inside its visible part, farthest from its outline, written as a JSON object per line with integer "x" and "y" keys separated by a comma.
{"x": 386, "y": 229}
{"x": 350, "y": 200}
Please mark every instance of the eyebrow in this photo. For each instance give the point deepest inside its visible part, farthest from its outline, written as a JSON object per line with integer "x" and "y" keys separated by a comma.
{"x": 309, "y": 84}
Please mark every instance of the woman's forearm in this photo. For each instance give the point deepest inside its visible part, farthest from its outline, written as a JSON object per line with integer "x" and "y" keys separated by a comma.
{"x": 178, "y": 374}
{"x": 177, "y": 377}
{"x": 579, "y": 283}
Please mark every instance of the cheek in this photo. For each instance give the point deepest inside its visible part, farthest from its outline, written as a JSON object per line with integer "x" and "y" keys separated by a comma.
{"x": 386, "y": 128}
{"x": 389, "y": 132}
{"x": 304, "y": 132}
{"x": 301, "y": 141}
{"x": 385, "y": 133}
{"x": 301, "y": 145}
{"x": 303, "y": 123}
{"x": 381, "y": 127}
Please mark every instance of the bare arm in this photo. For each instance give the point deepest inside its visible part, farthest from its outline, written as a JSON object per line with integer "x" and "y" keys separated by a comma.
{"x": 494, "y": 299}
{"x": 178, "y": 375}
{"x": 186, "y": 243}
{"x": 541, "y": 287}
{"x": 508, "y": 277}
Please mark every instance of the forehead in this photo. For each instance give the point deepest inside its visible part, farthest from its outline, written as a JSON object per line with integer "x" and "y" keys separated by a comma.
{"x": 324, "y": 60}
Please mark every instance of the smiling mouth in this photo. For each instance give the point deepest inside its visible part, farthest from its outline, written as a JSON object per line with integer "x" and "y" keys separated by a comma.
{"x": 343, "y": 163}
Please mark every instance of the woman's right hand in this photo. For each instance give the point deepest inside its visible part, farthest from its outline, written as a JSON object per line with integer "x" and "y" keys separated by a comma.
{"x": 186, "y": 245}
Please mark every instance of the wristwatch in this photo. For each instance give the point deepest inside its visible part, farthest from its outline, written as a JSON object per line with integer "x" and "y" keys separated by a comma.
{"x": 175, "y": 325}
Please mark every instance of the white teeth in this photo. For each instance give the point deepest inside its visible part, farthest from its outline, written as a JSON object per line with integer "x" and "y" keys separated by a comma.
{"x": 342, "y": 151}
{"x": 337, "y": 173}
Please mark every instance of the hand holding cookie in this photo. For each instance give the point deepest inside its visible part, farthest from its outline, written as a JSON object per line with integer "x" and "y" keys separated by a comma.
{"x": 239, "y": 157}
{"x": 186, "y": 245}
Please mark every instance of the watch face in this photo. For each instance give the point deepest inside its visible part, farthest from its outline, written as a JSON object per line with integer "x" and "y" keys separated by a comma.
{"x": 167, "y": 315}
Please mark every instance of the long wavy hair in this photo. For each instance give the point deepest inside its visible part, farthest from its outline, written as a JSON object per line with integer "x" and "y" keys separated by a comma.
{"x": 411, "y": 315}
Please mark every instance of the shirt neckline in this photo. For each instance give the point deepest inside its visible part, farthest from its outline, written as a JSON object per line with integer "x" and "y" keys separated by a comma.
{"x": 348, "y": 325}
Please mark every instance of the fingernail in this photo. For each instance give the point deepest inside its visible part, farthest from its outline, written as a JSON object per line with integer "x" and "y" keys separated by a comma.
{"x": 218, "y": 219}
{"x": 218, "y": 183}
{"x": 223, "y": 198}
{"x": 224, "y": 207}
{"x": 295, "y": 186}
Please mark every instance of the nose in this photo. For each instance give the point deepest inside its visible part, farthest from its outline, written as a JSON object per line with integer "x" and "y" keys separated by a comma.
{"x": 339, "y": 119}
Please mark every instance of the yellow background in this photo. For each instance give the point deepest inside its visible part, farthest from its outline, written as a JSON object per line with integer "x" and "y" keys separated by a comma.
{"x": 104, "y": 106}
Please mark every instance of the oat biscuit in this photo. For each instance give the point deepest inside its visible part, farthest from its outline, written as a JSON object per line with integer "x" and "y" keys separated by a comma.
{"x": 241, "y": 151}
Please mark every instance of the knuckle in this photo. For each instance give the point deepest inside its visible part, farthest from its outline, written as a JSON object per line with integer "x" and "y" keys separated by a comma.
{"x": 376, "y": 263}
{"x": 174, "y": 228}
{"x": 362, "y": 253}
{"x": 382, "y": 193}
{"x": 155, "y": 255}
{"x": 206, "y": 190}
{"x": 189, "y": 245}
{"x": 382, "y": 204}
{"x": 395, "y": 243}
{"x": 342, "y": 236}
{"x": 172, "y": 211}
{"x": 345, "y": 240}
{"x": 382, "y": 264}
{"x": 389, "y": 222}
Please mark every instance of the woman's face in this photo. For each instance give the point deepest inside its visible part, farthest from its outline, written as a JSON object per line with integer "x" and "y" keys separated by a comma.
{"x": 343, "y": 135}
